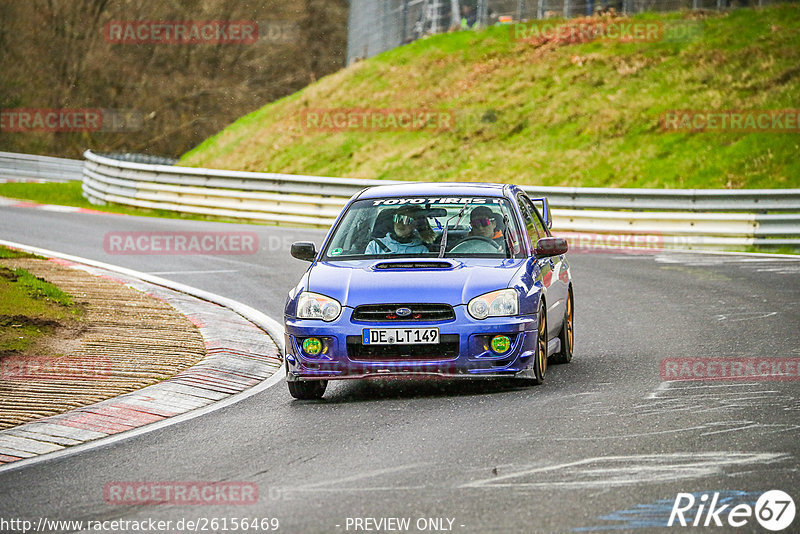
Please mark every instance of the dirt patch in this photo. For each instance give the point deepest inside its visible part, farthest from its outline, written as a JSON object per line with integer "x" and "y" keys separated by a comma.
{"x": 24, "y": 320}
{"x": 58, "y": 336}
{"x": 126, "y": 340}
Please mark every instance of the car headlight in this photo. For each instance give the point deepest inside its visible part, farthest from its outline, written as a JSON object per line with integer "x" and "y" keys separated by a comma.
{"x": 499, "y": 303}
{"x": 316, "y": 306}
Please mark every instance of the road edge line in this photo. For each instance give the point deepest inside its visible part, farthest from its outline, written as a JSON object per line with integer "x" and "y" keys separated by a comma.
{"x": 269, "y": 325}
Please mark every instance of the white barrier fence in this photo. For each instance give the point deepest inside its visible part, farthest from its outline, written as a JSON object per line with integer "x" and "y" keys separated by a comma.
{"x": 697, "y": 218}
{"x": 28, "y": 168}
{"x": 685, "y": 218}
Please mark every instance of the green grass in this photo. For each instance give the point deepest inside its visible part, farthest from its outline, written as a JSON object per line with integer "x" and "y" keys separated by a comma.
{"x": 573, "y": 115}
{"x": 37, "y": 288}
{"x": 783, "y": 249}
{"x": 64, "y": 193}
{"x": 8, "y": 253}
{"x": 30, "y": 308}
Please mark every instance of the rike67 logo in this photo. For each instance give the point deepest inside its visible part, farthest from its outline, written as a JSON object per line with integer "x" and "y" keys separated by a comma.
{"x": 774, "y": 510}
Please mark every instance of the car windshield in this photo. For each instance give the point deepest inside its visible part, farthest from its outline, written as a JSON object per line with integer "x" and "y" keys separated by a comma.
{"x": 415, "y": 226}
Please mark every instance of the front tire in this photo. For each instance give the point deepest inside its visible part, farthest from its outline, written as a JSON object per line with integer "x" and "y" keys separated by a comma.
{"x": 308, "y": 390}
{"x": 535, "y": 373}
{"x": 540, "y": 363}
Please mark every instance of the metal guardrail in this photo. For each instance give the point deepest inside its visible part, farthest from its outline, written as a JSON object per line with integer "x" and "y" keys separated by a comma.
{"x": 693, "y": 200}
{"x": 141, "y": 158}
{"x": 26, "y": 167}
{"x": 684, "y": 218}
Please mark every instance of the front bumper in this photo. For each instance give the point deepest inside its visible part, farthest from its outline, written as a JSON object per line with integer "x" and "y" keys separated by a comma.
{"x": 463, "y": 353}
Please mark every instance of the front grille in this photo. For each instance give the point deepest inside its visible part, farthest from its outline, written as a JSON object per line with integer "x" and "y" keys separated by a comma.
{"x": 446, "y": 349}
{"x": 379, "y": 313}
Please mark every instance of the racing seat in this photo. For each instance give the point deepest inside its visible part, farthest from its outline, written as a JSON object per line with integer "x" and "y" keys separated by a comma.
{"x": 384, "y": 223}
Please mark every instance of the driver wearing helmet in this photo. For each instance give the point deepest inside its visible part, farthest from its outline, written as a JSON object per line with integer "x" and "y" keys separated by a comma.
{"x": 484, "y": 223}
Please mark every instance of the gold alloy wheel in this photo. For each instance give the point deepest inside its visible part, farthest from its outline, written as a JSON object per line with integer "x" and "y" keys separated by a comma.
{"x": 541, "y": 347}
{"x": 569, "y": 323}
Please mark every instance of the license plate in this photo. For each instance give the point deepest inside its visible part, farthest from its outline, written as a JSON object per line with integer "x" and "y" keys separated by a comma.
{"x": 400, "y": 336}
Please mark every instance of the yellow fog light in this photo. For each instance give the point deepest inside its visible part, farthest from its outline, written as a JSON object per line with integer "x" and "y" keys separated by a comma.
{"x": 312, "y": 346}
{"x": 500, "y": 344}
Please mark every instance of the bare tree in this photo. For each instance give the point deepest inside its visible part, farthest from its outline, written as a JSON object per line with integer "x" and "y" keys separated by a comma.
{"x": 54, "y": 55}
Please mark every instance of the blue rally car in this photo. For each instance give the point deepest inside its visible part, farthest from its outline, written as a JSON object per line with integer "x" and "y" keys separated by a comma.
{"x": 450, "y": 280}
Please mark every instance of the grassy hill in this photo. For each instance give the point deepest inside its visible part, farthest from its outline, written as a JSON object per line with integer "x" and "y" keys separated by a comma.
{"x": 548, "y": 112}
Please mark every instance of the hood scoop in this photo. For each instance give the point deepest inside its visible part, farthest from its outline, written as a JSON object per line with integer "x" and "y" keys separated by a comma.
{"x": 416, "y": 265}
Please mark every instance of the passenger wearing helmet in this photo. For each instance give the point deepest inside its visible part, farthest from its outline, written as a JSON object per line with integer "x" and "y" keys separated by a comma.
{"x": 410, "y": 234}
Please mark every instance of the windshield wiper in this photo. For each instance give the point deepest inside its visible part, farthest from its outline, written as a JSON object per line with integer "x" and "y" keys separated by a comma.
{"x": 460, "y": 214}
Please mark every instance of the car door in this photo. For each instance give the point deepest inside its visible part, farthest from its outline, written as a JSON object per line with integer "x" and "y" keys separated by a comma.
{"x": 548, "y": 270}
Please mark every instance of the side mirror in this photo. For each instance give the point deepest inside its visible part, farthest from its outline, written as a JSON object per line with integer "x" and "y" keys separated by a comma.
{"x": 304, "y": 250}
{"x": 550, "y": 246}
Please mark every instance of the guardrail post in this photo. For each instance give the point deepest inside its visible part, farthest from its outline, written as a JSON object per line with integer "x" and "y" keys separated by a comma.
{"x": 483, "y": 14}
{"x": 404, "y": 29}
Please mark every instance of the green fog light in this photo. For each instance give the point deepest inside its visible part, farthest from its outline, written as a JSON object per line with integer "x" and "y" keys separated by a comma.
{"x": 312, "y": 346}
{"x": 500, "y": 344}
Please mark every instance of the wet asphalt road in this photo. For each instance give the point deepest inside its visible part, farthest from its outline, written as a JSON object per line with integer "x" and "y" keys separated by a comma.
{"x": 605, "y": 443}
